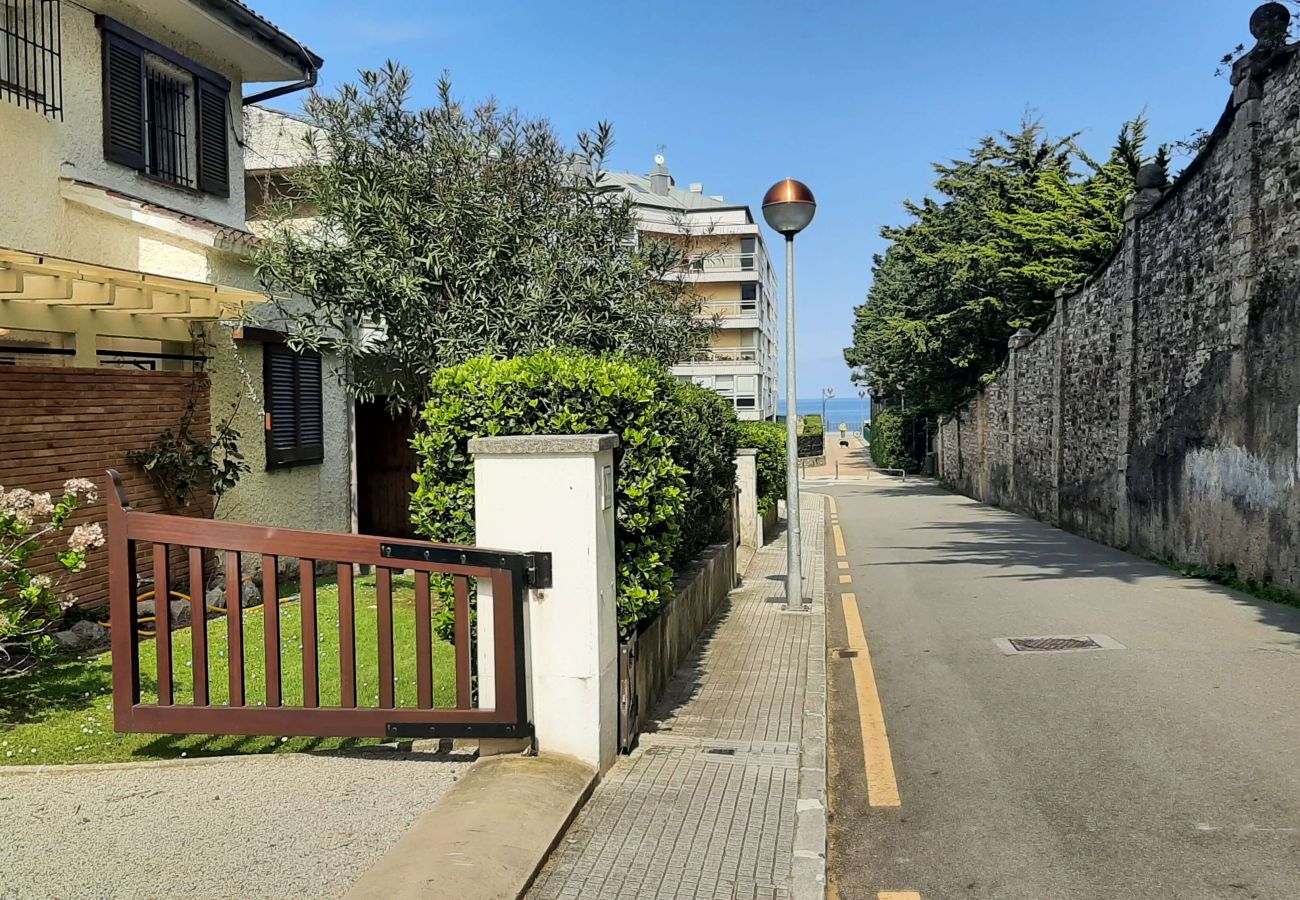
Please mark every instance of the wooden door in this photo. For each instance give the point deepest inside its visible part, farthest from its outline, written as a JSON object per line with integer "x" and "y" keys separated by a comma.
{"x": 385, "y": 464}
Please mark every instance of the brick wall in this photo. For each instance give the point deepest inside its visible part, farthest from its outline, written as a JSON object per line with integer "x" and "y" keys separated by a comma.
{"x": 1160, "y": 409}
{"x": 60, "y": 423}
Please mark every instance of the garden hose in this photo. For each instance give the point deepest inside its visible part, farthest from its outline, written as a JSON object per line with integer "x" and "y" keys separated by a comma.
{"x": 144, "y": 632}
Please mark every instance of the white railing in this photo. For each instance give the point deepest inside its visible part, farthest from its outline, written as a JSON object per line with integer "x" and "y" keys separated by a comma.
{"x": 738, "y": 355}
{"x": 722, "y": 262}
{"x": 730, "y": 309}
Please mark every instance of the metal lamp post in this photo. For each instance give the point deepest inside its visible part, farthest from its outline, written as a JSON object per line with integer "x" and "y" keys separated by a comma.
{"x": 862, "y": 411}
{"x": 788, "y": 207}
{"x": 827, "y": 393}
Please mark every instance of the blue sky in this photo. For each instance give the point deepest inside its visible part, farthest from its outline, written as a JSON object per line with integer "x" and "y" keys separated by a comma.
{"x": 854, "y": 98}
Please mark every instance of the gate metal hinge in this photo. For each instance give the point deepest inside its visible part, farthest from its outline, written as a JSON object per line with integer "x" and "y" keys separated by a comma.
{"x": 538, "y": 570}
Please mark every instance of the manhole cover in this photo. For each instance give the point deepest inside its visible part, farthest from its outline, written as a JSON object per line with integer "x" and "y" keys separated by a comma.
{"x": 1055, "y": 643}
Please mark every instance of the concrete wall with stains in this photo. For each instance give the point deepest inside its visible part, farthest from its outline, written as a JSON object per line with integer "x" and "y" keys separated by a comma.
{"x": 1160, "y": 409}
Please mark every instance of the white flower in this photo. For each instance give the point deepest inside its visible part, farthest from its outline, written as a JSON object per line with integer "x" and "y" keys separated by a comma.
{"x": 42, "y": 505}
{"x": 86, "y": 537}
{"x": 42, "y": 582}
{"x": 80, "y": 487}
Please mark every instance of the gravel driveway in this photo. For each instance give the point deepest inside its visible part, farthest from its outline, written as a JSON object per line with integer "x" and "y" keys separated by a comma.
{"x": 275, "y": 826}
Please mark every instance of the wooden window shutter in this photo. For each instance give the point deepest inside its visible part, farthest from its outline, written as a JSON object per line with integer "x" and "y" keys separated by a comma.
{"x": 213, "y": 139}
{"x": 295, "y": 427}
{"x": 124, "y": 137}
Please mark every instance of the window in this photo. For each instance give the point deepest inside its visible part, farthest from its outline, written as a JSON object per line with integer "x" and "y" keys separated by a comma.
{"x": 747, "y": 247}
{"x": 749, "y": 298}
{"x": 164, "y": 115}
{"x": 295, "y": 426}
{"x": 31, "y": 57}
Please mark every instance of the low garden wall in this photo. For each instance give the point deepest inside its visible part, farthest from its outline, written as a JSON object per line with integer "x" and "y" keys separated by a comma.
{"x": 698, "y": 595}
{"x": 61, "y": 423}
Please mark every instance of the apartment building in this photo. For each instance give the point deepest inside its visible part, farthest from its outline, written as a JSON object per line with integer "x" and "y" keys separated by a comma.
{"x": 730, "y": 267}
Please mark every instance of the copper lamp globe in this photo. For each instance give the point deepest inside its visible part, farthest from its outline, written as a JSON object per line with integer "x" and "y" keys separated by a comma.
{"x": 788, "y": 207}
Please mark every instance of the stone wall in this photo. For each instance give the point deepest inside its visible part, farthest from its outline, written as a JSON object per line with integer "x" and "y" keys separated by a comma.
{"x": 663, "y": 645}
{"x": 1160, "y": 409}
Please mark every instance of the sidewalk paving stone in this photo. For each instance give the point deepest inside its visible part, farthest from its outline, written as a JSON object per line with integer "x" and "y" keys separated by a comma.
{"x": 707, "y": 805}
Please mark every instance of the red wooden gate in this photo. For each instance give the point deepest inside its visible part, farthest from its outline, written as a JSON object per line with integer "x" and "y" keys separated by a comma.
{"x": 202, "y": 542}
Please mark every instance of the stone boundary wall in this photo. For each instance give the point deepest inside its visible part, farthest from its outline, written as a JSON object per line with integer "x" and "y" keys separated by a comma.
{"x": 1160, "y": 409}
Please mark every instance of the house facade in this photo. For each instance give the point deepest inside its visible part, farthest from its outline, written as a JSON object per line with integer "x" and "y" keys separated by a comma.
{"x": 125, "y": 278}
{"x": 730, "y": 268}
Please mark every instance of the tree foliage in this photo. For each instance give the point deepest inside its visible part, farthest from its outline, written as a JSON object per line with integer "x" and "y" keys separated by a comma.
{"x": 675, "y": 461}
{"x": 889, "y": 446}
{"x": 425, "y": 237}
{"x": 768, "y": 438}
{"x": 1025, "y": 214}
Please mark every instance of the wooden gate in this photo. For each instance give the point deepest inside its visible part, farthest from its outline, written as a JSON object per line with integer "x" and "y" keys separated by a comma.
{"x": 203, "y": 543}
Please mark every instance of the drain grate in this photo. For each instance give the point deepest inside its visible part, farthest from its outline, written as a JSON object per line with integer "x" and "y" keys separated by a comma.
{"x": 845, "y": 654}
{"x": 721, "y": 751}
{"x": 1054, "y": 643}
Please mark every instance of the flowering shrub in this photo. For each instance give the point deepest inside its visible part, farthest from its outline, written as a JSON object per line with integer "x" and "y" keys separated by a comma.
{"x": 30, "y": 603}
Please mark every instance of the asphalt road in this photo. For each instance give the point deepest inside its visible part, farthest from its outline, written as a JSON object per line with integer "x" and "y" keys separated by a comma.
{"x": 1166, "y": 769}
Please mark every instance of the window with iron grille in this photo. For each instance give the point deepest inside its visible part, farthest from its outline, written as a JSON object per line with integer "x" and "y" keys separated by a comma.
{"x": 31, "y": 55}
{"x": 295, "y": 424}
{"x": 164, "y": 115}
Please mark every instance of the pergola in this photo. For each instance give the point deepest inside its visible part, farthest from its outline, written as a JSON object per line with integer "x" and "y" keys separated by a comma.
{"x": 46, "y": 293}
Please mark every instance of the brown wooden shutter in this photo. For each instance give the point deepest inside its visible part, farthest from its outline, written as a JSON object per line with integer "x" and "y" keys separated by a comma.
{"x": 213, "y": 146}
{"x": 124, "y": 138}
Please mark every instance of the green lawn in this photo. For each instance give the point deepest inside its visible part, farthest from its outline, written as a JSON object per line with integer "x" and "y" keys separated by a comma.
{"x": 63, "y": 712}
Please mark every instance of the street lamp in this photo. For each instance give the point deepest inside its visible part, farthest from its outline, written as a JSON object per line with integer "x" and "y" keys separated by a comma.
{"x": 788, "y": 207}
{"x": 827, "y": 393}
{"x": 862, "y": 411}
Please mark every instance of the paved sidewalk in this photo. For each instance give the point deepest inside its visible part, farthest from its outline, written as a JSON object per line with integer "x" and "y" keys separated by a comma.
{"x": 853, "y": 460}
{"x": 725, "y": 796}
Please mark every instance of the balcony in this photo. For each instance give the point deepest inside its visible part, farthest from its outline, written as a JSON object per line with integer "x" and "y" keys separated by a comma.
{"x": 728, "y": 355}
{"x": 726, "y": 267}
{"x": 731, "y": 308}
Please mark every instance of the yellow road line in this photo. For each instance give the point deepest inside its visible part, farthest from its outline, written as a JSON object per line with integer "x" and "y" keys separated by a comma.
{"x": 839, "y": 541}
{"x": 898, "y": 895}
{"x": 843, "y": 564}
{"x": 882, "y": 786}
{"x": 846, "y": 579}
{"x": 835, "y": 507}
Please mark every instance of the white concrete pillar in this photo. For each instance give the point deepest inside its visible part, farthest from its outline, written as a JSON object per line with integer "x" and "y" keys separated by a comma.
{"x": 556, "y": 494}
{"x": 751, "y": 525}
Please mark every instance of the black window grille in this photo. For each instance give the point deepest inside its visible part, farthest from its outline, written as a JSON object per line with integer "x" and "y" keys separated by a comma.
{"x": 31, "y": 55}
{"x": 167, "y": 112}
{"x": 164, "y": 115}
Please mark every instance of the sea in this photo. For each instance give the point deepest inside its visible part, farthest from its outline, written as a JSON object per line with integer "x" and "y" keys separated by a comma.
{"x": 849, "y": 410}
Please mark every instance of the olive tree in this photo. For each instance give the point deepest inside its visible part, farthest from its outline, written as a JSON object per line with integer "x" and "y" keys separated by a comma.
{"x": 422, "y": 237}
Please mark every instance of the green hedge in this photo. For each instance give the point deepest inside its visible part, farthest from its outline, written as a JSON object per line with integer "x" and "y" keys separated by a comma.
{"x": 888, "y": 448}
{"x": 768, "y": 438}
{"x": 675, "y": 463}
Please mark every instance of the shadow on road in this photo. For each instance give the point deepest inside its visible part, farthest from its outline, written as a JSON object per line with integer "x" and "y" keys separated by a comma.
{"x": 1029, "y": 550}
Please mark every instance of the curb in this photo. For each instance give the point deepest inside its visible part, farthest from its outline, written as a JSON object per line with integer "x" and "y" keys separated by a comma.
{"x": 423, "y": 748}
{"x": 488, "y": 836}
{"x": 809, "y": 877}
